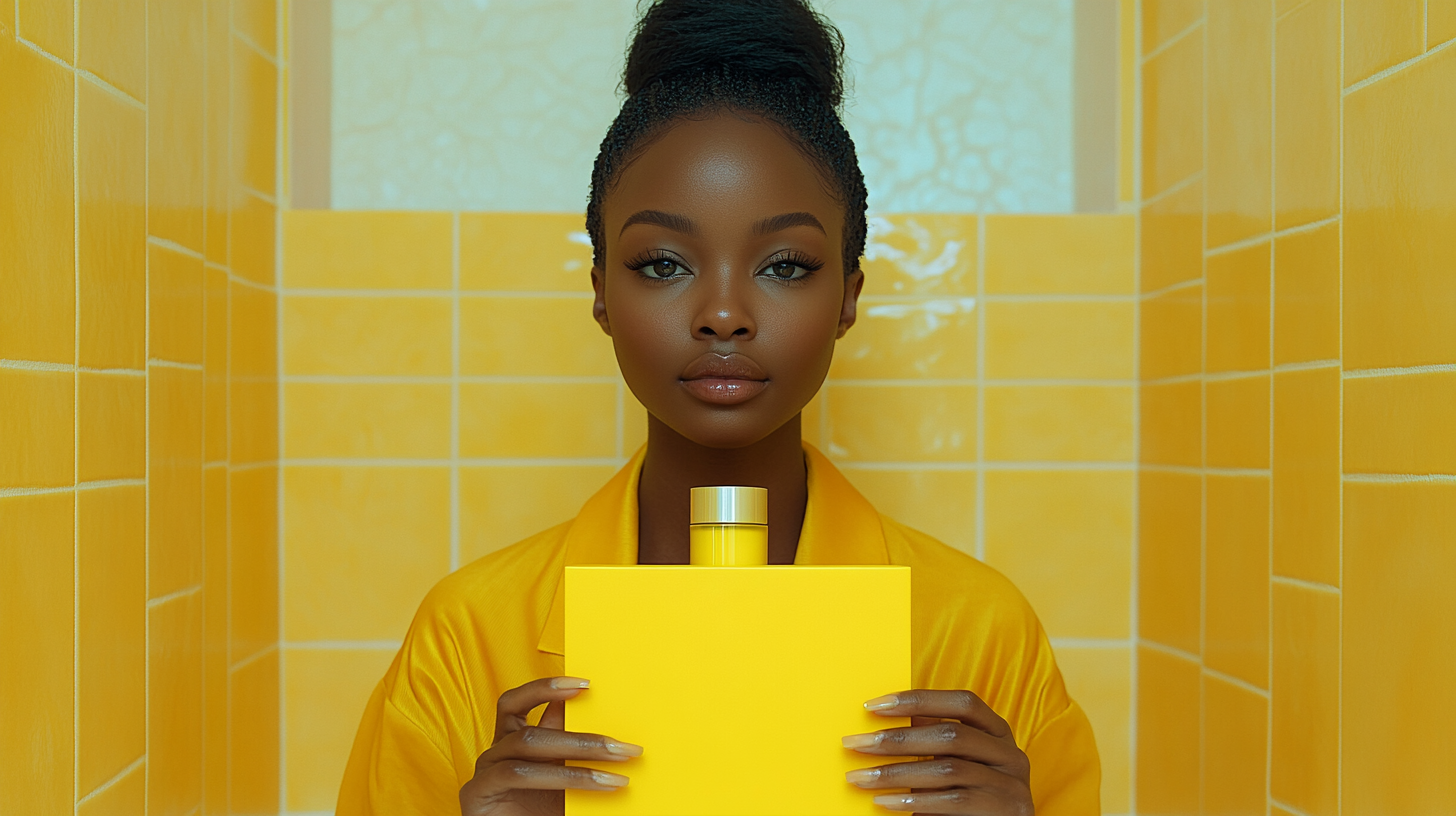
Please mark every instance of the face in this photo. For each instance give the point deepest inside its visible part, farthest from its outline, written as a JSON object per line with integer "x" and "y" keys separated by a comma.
{"x": 723, "y": 285}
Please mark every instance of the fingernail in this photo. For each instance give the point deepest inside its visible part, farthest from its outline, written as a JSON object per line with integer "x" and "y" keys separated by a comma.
{"x": 608, "y": 779}
{"x": 862, "y": 740}
{"x": 570, "y": 683}
{"x": 626, "y": 749}
{"x": 882, "y": 703}
{"x": 863, "y": 777}
{"x": 893, "y": 799}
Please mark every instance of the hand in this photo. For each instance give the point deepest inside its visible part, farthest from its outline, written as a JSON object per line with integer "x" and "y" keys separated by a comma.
{"x": 974, "y": 766}
{"x": 524, "y": 772}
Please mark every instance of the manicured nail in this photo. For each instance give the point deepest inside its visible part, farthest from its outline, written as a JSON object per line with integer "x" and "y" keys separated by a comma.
{"x": 625, "y": 749}
{"x": 863, "y": 740}
{"x": 882, "y": 703}
{"x": 609, "y": 780}
{"x": 863, "y": 776}
{"x": 894, "y": 800}
{"x": 570, "y": 683}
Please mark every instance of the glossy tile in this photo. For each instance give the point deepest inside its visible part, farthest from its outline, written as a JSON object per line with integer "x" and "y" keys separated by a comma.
{"x": 251, "y": 234}
{"x": 1236, "y": 567}
{"x": 1238, "y": 422}
{"x": 217, "y": 127}
{"x": 36, "y": 415}
{"x": 214, "y": 640}
{"x": 1400, "y": 424}
{"x": 176, "y": 80}
{"x": 1399, "y": 292}
{"x": 253, "y": 737}
{"x": 1170, "y": 520}
{"x": 1085, "y": 254}
{"x": 48, "y": 24}
{"x": 124, "y": 797}
{"x": 501, "y": 505}
{"x": 252, "y": 421}
{"x": 922, "y": 254}
{"x": 253, "y": 322}
{"x": 1240, "y": 172}
{"x": 1100, "y": 680}
{"x": 366, "y": 335}
{"x": 1381, "y": 33}
{"x": 174, "y": 312}
{"x": 254, "y": 117}
{"x": 1235, "y": 736}
{"x": 174, "y": 480}
{"x": 368, "y": 250}
{"x": 939, "y": 502}
{"x": 1306, "y": 468}
{"x": 323, "y": 693}
{"x": 1171, "y": 424}
{"x": 1400, "y": 551}
{"x": 1304, "y": 766}
{"x": 1173, "y": 115}
{"x": 1164, "y": 19}
{"x": 1307, "y": 296}
{"x": 111, "y": 42}
{"x": 257, "y": 20}
{"x": 869, "y": 423}
{"x": 934, "y": 338}
{"x": 1238, "y": 310}
{"x": 1049, "y": 531}
{"x": 174, "y": 705}
{"x": 1059, "y": 340}
{"x": 1059, "y": 423}
{"x": 1171, "y": 239}
{"x": 494, "y": 339}
{"x": 1440, "y": 22}
{"x": 1172, "y": 333}
{"x": 215, "y": 364}
{"x": 389, "y": 419}
{"x": 111, "y": 427}
{"x": 252, "y": 562}
{"x": 1307, "y": 114}
{"x": 37, "y": 743}
{"x": 555, "y": 420}
{"x": 1168, "y": 733}
{"x": 343, "y": 527}
{"x": 524, "y": 252}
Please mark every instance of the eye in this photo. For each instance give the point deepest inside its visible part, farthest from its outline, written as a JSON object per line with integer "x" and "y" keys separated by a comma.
{"x": 660, "y": 268}
{"x": 786, "y": 270}
{"x": 790, "y": 266}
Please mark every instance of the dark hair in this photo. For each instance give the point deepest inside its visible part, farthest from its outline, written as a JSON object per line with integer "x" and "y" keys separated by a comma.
{"x": 778, "y": 59}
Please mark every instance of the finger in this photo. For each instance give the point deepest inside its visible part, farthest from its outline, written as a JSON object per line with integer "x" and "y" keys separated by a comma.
{"x": 935, "y": 773}
{"x": 960, "y": 800}
{"x": 945, "y": 738}
{"x": 537, "y": 743}
{"x": 517, "y": 775}
{"x": 514, "y": 705}
{"x": 949, "y": 705}
{"x": 554, "y": 716}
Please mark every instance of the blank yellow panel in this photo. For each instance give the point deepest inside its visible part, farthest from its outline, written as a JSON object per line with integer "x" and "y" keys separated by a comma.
{"x": 1086, "y": 253}
{"x": 923, "y": 254}
{"x": 1100, "y": 680}
{"x": 523, "y": 336}
{"x": 1172, "y": 333}
{"x": 1399, "y": 293}
{"x": 1236, "y": 610}
{"x": 174, "y": 317}
{"x": 1235, "y": 739}
{"x": 112, "y": 43}
{"x": 126, "y": 795}
{"x": 1071, "y": 340}
{"x": 504, "y": 504}
{"x": 1059, "y": 423}
{"x": 933, "y": 338}
{"x": 1058, "y": 535}
{"x": 1307, "y": 296}
{"x": 37, "y": 586}
{"x": 37, "y": 223}
{"x": 1381, "y": 33}
{"x": 111, "y": 630}
{"x": 404, "y": 419}
{"x": 252, "y": 561}
{"x": 1240, "y": 107}
{"x": 1307, "y": 114}
{"x": 215, "y": 363}
{"x": 1238, "y": 422}
{"x": 174, "y": 709}
{"x": 1400, "y": 424}
{"x": 366, "y": 335}
{"x": 251, "y": 243}
{"x": 111, "y": 230}
{"x": 48, "y": 24}
{"x": 253, "y": 737}
{"x": 1171, "y": 238}
{"x": 255, "y": 105}
{"x": 111, "y": 427}
{"x": 1173, "y": 115}
{"x": 1440, "y": 22}
{"x": 1306, "y": 699}
{"x": 1238, "y": 310}
{"x": 336, "y": 249}
{"x": 1167, "y": 733}
{"x": 324, "y": 691}
{"x": 557, "y": 420}
{"x": 1399, "y": 617}
{"x": 939, "y": 502}
{"x": 1170, "y": 519}
{"x": 381, "y": 533}
{"x": 176, "y": 79}
{"x": 1171, "y": 424}
{"x": 252, "y": 420}
{"x": 174, "y": 480}
{"x": 1164, "y": 19}
{"x": 1306, "y": 468}
{"x": 524, "y": 252}
{"x": 902, "y": 423}
{"x": 36, "y": 415}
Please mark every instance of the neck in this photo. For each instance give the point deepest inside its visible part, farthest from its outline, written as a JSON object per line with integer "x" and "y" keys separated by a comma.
{"x": 673, "y": 465}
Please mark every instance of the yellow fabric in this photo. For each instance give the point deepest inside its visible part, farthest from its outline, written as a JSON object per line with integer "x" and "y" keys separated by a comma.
{"x": 498, "y": 623}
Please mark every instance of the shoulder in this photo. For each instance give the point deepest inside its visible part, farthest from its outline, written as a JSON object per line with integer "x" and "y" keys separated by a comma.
{"x": 505, "y": 583}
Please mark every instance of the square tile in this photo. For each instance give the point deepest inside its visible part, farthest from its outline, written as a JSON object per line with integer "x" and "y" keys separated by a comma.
{"x": 174, "y": 705}
{"x": 1236, "y": 612}
{"x": 254, "y": 116}
{"x": 1171, "y": 239}
{"x": 217, "y": 128}
{"x": 367, "y": 335}
{"x": 921, "y": 254}
{"x": 1168, "y": 733}
{"x": 111, "y": 427}
{"x": 502, "y": 336}
{"x": 252, "y": 563}
{"x": 390, "y": 419}
{"x": 1238, "y": 310}
{"x": 1238, "y": 422}
{"x": 1400, "y": 424}
{"x": 1306, "y": 700}
{"x": 1165, "y": 19}
{"x": 1059, "y": 340}
{"x": 332, "y": 249}
{"x": 253, "y": 332}
{"x": 524, "y": 252}
{"x": 1059, "y": 423}
{"x": 939, "y": 502}
{"x": 36, "y": 415}
{"x": 501, "y": 505}
{"x": 174, "y": 480}
{"x": 253, "y": 420}
{"x": 251, "y": 235}
{"x": 1307, "y": 296}
{"x": 1440, "y": 22}
{"x": 324, "y": 691}
{"x": 1307, "y": 114}
{"x": 1173, "y": 115}
{"x": 869, "y": 423}
{"x": 1172, "y": 333}
{"x": 1240, "y": 173}
{"x": 1100, "y": 680}
{"x": 1170, "y": 554}
{"x": 214, "y": 639}
{"x": 1086, "y": 253}
{"x": 933, "y": 338}
{"x": 176, "y": 79}
{"x": 48, "y": 24}
{"x": 1381, "y": 33}
{"x": 112, "y": 43}
{"x": 531, "y": 420}
{"x": 174, "y": 311}
{"x": 1171, "y": 424}
{"x": 215, "y": 363}
{"x": 253, "y": 737}
{"x": 1306, "y": 523}
{"x": 1235, "y": 736}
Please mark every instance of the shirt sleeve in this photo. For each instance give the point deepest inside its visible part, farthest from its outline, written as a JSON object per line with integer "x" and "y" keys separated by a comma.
{"x": 395, "y": 768}
{"x": 1066, "y": 776}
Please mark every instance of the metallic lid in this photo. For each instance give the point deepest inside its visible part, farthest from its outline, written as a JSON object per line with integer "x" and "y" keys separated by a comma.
{"x": 729, "y": 505}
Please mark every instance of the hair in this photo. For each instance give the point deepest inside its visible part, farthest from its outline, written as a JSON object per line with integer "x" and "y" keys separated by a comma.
{"x": 777, "y": 59}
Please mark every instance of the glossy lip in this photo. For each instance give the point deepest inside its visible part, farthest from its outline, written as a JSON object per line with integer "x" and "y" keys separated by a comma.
{"x": 724, "y": 379}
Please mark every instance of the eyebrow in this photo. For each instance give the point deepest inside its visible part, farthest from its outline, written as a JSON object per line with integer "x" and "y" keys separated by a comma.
{"x": 673, "y": 221}
{"x": 777, "y": 223}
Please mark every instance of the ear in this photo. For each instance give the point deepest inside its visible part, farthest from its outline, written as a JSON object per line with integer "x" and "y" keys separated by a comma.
{"x": 599, "y": 305}
{"x": 849, "y": 310}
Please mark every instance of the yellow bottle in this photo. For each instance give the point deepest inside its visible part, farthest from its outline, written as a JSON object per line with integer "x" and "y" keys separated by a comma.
{"x": 729, "y": 527}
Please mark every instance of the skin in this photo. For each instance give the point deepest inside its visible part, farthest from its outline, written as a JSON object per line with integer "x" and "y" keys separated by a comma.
{"x": 723, "y": 289}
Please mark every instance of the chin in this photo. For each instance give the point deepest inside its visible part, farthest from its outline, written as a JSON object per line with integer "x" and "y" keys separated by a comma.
{"x": 725, "y": 429}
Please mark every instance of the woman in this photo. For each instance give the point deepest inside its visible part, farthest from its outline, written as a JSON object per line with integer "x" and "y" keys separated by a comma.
{"x": 727, "y": 221}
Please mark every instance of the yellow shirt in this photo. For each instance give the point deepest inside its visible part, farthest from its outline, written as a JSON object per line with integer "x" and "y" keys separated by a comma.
{"x": 498, "y": 622}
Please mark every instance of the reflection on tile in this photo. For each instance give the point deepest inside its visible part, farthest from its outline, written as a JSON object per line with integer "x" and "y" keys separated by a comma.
{"x": 255, "y": 105}
{"x": 524, "y": 252}
{"x": 175, "y": 116}
{"x": 1307, "y": 114}
{"x": 1234, "y": 753}
{"x": 1059, "y": 423}
{"x": 934, "y": 338}
{"x": 331, "y": 249}
{"x": 1238, "y": 422}
{"x": 389, "y": 419}
{"x": 492, "y": 341}
{"x": 869, "y": 423}
{"x": 1167, "y": 733}
{"x": 1173, "y": 115}
{"x": 1236, "y": 617}
{"x": 1170, "y": 517}
{"x": 1306, "y": 467}
{"x": 558, "y": 420}
{"x": 939, "y": 502}
{"x": 500, "y": 506}
{"x": 323, "y": 693}
{"x": 1400, "y": 424}
{"x": 920, "y": 255}
{"x": 1306, "y": 699}
{"x": 1240, "y": 160}
{"x": 1086, "y": 254}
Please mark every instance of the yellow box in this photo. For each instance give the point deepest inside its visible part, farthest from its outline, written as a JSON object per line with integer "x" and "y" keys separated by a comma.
{"x": 695, "y": 687}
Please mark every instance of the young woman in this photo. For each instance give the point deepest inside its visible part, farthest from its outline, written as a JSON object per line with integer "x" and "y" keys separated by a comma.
{"x": 727, "y": 216}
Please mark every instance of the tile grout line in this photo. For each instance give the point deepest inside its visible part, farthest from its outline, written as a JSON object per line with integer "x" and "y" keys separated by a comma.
{"x": 1170, "y": 42}
{"x": 1366, "y": 373}
{"x": 109, "y": 783}
{"x": 455, "y": 508}
{"x": 75, "y": 408}
{"x": 1313, "y": 586}
{"x": 1270, "y": 236}
{"x": 1269, "y": 488}
{"x": 1203, "y": 431}
{"x": 1238, "y": 682}
{"x": 147, "y": 356}
{"x": 1135, "y": 544}
{"x": 980, "y": 381}
{"x": 1340, "y": 454}
{"x": 1385, "y": 74}
{"x": 279, "y": 202}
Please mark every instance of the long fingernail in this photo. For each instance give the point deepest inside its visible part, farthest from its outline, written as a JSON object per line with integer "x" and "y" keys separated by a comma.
{"x": 570, "y": 683}
{"x": 626, "y": 749}
{"x": 863, "y": 740}
{"x": 882, "y": 703}
{"x": 863, "y": 776}
{"x": 608, "y": 779}
{"x": 894, "y": 800}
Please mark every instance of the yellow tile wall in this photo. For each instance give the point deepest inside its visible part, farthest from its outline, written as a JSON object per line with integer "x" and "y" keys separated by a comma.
{"x": 143, "y": 589}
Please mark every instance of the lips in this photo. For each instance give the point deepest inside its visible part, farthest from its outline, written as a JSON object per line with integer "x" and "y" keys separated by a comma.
{"x": 724, "y": 379}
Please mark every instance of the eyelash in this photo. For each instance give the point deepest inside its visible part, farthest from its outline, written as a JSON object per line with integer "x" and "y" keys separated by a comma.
{"x": 809, "y": 264}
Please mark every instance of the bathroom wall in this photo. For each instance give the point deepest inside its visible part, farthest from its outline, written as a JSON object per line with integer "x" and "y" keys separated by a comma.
{"x": 138, "y": 407}
{"x": 1297, "y": 478}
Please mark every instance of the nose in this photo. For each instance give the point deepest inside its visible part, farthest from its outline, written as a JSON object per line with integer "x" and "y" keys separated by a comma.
{"x": 724, "y": 312}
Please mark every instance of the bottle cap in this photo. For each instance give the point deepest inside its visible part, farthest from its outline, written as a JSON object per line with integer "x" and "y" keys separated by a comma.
{"x": 729, "y": 505}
